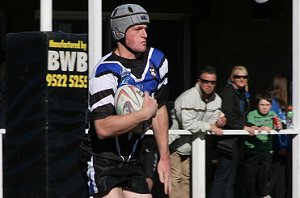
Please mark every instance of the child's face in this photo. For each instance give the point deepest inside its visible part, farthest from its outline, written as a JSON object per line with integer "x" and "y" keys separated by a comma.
{"x": 264, "y": 106}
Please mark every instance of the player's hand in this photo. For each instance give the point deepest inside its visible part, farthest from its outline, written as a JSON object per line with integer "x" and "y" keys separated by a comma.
{"x": 150, "y": 106}
{"x": 164, "y": 172}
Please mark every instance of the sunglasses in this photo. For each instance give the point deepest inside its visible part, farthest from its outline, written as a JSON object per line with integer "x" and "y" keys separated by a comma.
{"x": 212, "y": 82}
{"x": 239, "y": 77}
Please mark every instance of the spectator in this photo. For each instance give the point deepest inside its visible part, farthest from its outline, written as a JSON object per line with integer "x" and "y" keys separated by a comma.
{"x": 282, "y": 143}
{"x": 197, "y": 110}
{"x": 259, "y": 149}
{"x": 235, "y": 105}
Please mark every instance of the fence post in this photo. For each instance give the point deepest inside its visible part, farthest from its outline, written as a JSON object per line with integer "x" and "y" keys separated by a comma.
{"x": 198, "y": 166}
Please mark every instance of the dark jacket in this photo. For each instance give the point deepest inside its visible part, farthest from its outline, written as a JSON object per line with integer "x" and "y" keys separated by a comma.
{"x": 231, "y": 107}
{"x": 236, "y": 115}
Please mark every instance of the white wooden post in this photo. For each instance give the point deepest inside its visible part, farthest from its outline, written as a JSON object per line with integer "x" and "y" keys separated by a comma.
{"x": 197, "y": 173}
{"x": 46, "y": 15}
{"x": 95, "y": 32}
{"x": 296, "y": 98}
{"x": 2, "y": 133}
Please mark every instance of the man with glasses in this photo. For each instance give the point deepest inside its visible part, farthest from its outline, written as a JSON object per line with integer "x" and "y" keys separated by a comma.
{"x": 197, "y": 110}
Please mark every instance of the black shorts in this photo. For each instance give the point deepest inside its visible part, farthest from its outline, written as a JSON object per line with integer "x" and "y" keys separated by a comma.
{"x": 149, "y": 156}
{"x": 102, "y": 175}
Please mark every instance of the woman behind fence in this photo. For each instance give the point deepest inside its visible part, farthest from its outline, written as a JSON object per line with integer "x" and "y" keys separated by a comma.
{"x": 282, "y": 168}
{"x": 235, "y": 105}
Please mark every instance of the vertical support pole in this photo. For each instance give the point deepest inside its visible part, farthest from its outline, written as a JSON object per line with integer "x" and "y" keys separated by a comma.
{"x": 296, "y": 97}
{"x": 2, "y": 133}
{"x": 46, "y": 15}
{"x": 198, "y": 166}
{"x": 95, "y": 33}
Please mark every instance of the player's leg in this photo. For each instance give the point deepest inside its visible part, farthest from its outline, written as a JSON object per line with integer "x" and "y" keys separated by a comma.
{"x": 129, "y": 194}
{"x": 149, "y": 159}
{"x": 114, "y": 193}
{"x": 150, "y": 182}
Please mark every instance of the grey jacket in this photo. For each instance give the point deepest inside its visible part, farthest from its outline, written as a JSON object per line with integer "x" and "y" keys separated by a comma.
{"x": 191, "y": 113}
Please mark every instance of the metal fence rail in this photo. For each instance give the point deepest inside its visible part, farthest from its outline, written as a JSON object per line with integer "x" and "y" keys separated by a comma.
{"x": 198, "y": 159}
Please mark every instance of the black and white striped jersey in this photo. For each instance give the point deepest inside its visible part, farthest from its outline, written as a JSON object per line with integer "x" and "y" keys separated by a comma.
{"x": 149, "y": 72}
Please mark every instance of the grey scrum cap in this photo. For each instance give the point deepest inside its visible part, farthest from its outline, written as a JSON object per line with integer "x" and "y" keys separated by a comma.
{"x": 125, "y": 16}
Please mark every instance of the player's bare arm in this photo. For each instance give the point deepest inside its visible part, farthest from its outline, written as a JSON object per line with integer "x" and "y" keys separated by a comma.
{"x": 118, "y": 124}
{"x": 161, "y": 126}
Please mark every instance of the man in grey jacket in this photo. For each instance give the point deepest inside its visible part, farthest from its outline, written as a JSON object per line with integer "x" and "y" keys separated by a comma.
{"x": 197, "y": 110}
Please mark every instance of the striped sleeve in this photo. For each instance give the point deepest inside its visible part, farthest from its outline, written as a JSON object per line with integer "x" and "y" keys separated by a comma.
{"x": 161, "y": 63}
{"x": 102, "y": 88}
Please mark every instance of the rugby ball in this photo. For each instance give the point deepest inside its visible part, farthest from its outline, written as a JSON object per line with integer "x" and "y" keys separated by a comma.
{"x": 128, "y": 99}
